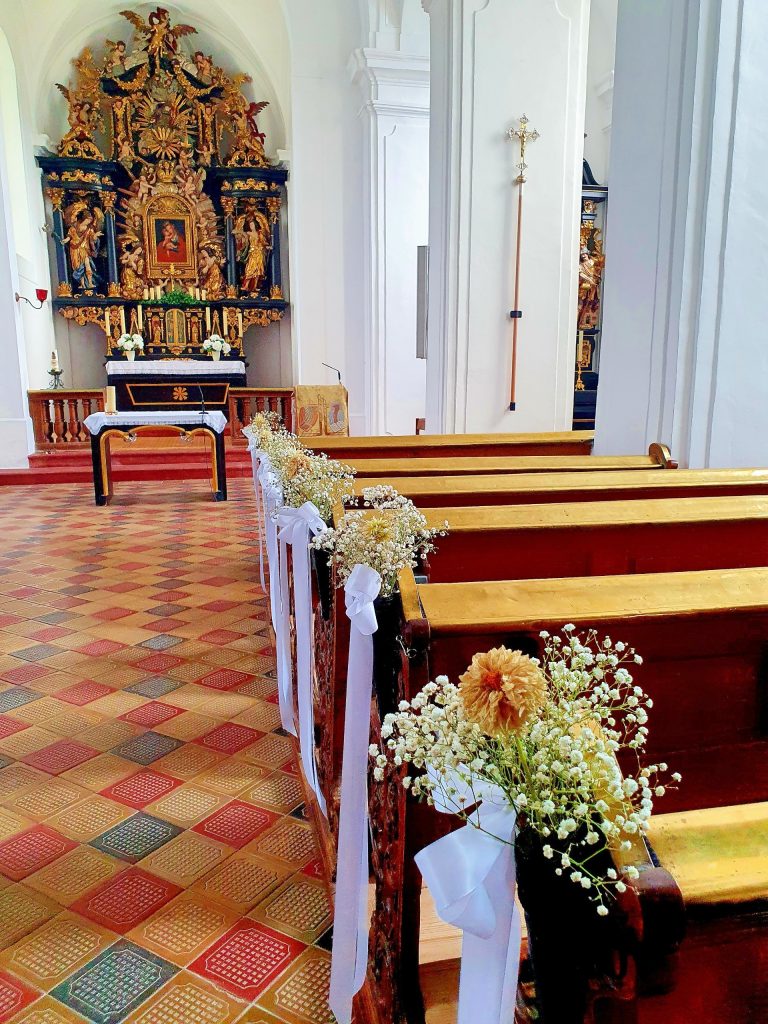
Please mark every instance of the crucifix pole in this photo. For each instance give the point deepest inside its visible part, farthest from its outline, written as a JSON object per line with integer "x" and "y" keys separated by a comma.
{"x": 523, "y": 135}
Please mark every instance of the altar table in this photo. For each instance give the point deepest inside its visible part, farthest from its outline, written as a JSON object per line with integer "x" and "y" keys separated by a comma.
{"x": 102, "y": 426}
{"x": 174, "y": 383}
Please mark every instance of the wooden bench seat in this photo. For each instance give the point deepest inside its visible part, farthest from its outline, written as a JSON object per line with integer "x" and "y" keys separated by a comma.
{"x": 703, "y": 637}
{"x": 496, "y": 464}
{"x": 569, "y": 442}
{"x": 542, "y": 488}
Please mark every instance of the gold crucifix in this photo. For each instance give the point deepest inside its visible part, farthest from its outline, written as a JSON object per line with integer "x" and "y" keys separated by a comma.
{"x": 524, "y": 136}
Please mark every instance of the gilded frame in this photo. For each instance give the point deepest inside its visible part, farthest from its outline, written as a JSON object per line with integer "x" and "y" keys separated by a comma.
{"x": 168, "y": 223}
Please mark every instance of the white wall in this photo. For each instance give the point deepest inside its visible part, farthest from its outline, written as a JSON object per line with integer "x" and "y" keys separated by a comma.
{"x": 491, "y": 61}
{"x": 600, "y": 60}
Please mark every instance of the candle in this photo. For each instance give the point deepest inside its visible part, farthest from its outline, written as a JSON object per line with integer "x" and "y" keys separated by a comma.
{"x": 110, "y": 400}
{"x": 203, "y": 294}
{"x": 106, "y": 323}
{"x": 140, "y": 317}
{"x": 225, "y": 321}
{"x": 54, "y": 361}
{"x": 208, "y": 319}
{"x": 240, "y": 323}
{"x": 122, "y": 320}
{"x": 146, "y": 293}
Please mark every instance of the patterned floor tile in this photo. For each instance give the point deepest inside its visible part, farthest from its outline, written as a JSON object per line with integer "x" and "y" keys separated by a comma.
{"x": 107, "y": 735}
{"x": 74, "y": 874}
{"x": 26, "y": 743}
{"x": 184, "y": 928}
{"x": 115, "y": 983}
{"x": 141, "y": 789}
{"x": 260, "y": 715}
{"x": 51, "y": 953}
{"x": 187, "y": 858}
{"x": 48, "y": 798}
{"x": 301, "y": 908}
{"x": 146, "y": 748}
{"x": 8, "y": 726}
{"x": 247, "y": 959}
{"x": 14, "y": 996}
{"x": 15, "y": 697}
{"x": 124, "y": 901}
{"x": 301, "y": 994}
{"x": 60, "y": 756}
{"x": 153, "y": 687}
{"x": 273, "y": 750}
{"x": 187, "y": 761}
{"x": 83, "y": 692}
{"x": 188, "y": 725}
{"x": 242, "y": 881}
{"x": 136, "y": 837}
{"x": 279, "y": 792}
{"x": 15, "y": 778}
{"x": 229, "y": 738}
{"x": 89, "y": 819}
{"x": 11, "y": 824}
{"x": 21, "y": 911}
{"x": 48, "y": 1011}
{"x": 158, "y": 662}
{"x": 290, "y": 842}
{"x": 187, "y": 805}
{"x": 232, "y": 777}
{"x": 224, "y": 679}
{"x": 236, "y": 824}
{"x": 31, "y": 850}
{"x": 100, "y": 772}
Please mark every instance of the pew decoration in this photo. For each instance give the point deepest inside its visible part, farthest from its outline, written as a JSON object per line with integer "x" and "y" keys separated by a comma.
{"x": 526, "y": 753}
{"x": 388, "y": 534}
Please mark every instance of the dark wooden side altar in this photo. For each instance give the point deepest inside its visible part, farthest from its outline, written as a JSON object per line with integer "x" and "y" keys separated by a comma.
{"x": 164, "y": 209}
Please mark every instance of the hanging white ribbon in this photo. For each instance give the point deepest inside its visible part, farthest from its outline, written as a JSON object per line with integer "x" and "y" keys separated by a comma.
{"x": 257, "y": 457}
{"x": 272, "y": 495}
{"x": 471, "y": 876}
{"x": 350, "y": 927}
{"x": 296, "y": 525}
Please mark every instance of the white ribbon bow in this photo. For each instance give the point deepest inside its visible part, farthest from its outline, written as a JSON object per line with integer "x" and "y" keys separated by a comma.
{"x": 296, "y": 525}
{"x": 471, "y": 876}
{"x": 350, "y": 928}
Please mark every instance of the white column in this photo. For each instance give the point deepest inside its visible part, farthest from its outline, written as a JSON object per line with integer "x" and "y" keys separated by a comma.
{"x": 15, "y": 427}
{"x": 685, "y": 357}
{"x": 395, "y": 111}
{"x": 491, "y": 61}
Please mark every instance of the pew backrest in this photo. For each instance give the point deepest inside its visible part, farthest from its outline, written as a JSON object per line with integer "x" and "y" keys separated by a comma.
{"x": 578, "y": 442}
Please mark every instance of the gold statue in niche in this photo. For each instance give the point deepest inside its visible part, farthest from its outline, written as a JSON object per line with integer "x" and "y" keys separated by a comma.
{"x": 211, "y": 277}
{"x": 253, "y": 237}
{"x": 84, "y": 230}
{"x": 591, "y": 264}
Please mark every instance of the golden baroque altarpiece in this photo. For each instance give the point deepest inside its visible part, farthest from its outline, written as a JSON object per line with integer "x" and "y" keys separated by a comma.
{"x": 164, "y": 208}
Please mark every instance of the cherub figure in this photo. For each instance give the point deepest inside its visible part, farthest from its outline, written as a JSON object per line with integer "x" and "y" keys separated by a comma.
{"x": 115, "y": 61}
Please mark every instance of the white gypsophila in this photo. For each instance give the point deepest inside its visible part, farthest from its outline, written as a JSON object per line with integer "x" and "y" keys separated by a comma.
{"x": 560, "y": 772}
{"x": 388, "y": 534}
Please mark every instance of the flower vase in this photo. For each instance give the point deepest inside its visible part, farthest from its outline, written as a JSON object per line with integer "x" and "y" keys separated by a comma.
{"x": 131, "y": 354}
{"x": 216, "y": 356}
{"x": 575, "y": 954}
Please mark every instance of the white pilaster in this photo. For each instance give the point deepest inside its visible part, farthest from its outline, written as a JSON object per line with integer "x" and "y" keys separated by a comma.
{"x": 15, "y": 427}
{"x": 685, "y": 358}
{"x": 395, "y": 111}
{"x": 491, "y": 61}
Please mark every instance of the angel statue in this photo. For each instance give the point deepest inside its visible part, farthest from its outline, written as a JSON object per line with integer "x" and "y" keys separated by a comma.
{"x": 132, "y": 260}
{"x": 115, "y": 60}
{"x": 211, "y": 277}
{"x": 590, "y": 274}
{"x": 84, "y": 229}
{"x": 253, "y": 237}
{"x": 160, "y": 38}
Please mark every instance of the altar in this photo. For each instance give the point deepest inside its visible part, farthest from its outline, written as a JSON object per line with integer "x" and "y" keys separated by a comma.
{"x": 174, "y": 383}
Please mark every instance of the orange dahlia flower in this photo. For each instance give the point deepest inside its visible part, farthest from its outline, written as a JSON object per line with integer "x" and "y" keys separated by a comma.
{"x": 502, "y": 690}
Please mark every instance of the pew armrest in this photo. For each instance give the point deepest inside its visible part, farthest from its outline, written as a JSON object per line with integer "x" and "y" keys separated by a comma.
{"x": 661, "y": 455}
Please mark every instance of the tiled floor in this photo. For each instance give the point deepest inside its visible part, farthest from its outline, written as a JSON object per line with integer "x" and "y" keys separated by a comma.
{"x": 156, "y": 866}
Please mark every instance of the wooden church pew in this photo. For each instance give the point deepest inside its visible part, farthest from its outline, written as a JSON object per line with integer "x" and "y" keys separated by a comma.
{"x": 499, "y": 464}
{"x": 576, "y": 442}
{"x": 704, "y": 638}
{"x": 542, "y": 488}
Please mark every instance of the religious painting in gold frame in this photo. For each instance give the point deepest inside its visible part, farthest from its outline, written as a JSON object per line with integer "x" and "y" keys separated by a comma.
{"x": 169, "y": 238}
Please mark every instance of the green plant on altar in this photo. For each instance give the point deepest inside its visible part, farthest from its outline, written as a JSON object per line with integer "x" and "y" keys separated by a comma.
{"x": 388, "y": 534}
{"x": 176, "y": 297}
{"x": 544, "y": 737}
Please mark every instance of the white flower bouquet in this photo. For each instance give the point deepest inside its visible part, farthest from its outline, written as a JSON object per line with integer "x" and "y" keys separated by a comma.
{"x": 388, "y": 534}
{"x": 215, "y": 346}
{"x": 130, "y": 344}
{"x": 546, "y": 735}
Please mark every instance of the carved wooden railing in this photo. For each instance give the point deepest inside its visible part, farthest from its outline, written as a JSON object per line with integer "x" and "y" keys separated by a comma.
{"x": 58, "y": 416}
{"x": 244, "y": 403}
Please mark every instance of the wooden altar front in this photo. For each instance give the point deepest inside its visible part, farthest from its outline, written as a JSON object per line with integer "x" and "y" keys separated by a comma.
{"x": 164, "y": 209}
{"x": 174, "y": 383}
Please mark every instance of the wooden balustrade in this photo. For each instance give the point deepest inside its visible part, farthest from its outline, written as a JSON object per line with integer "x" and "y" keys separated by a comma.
{"x": 244, "y": 403}
{"x": 58, "y": 417}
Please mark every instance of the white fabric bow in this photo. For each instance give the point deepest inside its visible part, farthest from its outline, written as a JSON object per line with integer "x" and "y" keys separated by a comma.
{"x": 471, "y": 876}
{"x": 296, "y": 525}
{"x": 350, "y": 928}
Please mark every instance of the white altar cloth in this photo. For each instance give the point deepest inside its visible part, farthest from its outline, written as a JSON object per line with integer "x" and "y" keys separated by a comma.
{"x": 174, "y": 367}
{"x": 98, "y": 420}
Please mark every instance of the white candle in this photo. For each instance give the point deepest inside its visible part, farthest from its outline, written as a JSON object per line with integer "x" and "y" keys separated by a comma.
{"x": 54, "y": 361}
{"x": 225, "y": 322}
{"x": 110, "y": 400}
{"x": 106, "y": 322}
{"x": 208, "y": 319}
{"x": 203, "y": 294}
{"x": 140, "y": 316}
{"x": 146, "y": 293}
{"x": 240, "y": 322}
{"x": 122, "y": 320}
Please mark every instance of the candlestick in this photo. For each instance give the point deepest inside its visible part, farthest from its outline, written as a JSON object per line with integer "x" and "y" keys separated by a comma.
{"x": 110, "y": 400}
{"x": 225, "y": 321}
{"x": 54, "y": 360}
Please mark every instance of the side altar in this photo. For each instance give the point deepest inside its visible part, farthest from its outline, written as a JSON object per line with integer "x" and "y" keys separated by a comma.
{"x": 164, "y": 209}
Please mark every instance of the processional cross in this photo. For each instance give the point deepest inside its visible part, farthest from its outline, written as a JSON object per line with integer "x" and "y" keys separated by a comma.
{"x": 524, "y": 135}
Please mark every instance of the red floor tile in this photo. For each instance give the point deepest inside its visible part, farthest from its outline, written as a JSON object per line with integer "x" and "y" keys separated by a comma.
{"x": 83, "y": 693}
{"x": 24, "y": 674}
{"x": 247, "y": 959}
{"x": 158, "y": 662}
{"x": 126, "y": 900}
{"x": 221, "y": 637}
{"x": 31, "y": 850}
{"x": 229, "y": 738}
{"x": 151, "y": 714}
{"x": 8, "y": 726}
{"x": 141, "y": 789}
{"x": 236, "y": 824}
{"x": 225, "y": 679}
{"x": 14, "y": 996}
{"x": 100, "y": 648}
{"x": 111, "y": 614}
{"x": 60, "y": 756}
